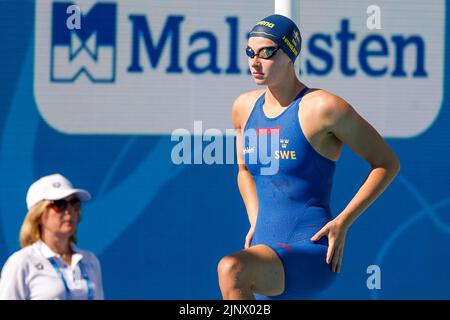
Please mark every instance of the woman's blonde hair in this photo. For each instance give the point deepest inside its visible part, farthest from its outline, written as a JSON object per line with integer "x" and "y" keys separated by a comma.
{"x": 30, "y": 232}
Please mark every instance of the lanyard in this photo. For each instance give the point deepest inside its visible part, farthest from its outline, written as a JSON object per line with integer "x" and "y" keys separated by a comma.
{"x": 66, "y": 287}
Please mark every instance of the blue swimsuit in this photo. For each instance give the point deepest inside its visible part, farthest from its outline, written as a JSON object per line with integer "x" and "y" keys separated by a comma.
{"x": 293, "y": 198}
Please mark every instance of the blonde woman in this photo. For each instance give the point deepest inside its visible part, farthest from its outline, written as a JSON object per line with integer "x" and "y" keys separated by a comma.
{"x": 50, "y": 266}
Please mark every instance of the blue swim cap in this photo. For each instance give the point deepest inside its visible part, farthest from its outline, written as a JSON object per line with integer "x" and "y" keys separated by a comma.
{"x": 281, "y": 30}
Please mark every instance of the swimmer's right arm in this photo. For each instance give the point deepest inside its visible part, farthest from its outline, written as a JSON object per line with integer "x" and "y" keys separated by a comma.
{"x": 245, "y": 180}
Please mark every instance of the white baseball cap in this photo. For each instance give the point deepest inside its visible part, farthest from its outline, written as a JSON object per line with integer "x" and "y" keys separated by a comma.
{"x": 53, "y": 187}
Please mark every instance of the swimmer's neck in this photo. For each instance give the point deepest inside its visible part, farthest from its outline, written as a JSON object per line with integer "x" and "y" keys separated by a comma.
{"x": 282, "y": 94}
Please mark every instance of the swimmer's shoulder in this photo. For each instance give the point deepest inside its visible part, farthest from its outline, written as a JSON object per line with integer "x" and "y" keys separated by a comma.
{"x": 320, "y": 98}
{"x": 243, "y": 106}
{"x": 324, "y": 105}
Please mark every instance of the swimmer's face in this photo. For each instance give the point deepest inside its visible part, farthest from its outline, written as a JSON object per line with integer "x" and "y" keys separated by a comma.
{"x": 267, "y": 71}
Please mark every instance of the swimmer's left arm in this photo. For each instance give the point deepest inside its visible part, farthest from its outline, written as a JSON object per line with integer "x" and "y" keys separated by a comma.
{"x": 348, "y": 126}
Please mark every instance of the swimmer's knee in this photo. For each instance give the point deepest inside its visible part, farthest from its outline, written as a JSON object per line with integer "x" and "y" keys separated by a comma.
{"x": 233, "y": 273}
{"x": 229, "y": 266}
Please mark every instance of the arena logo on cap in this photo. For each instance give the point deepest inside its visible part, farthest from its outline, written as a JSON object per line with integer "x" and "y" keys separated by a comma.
{"x": 267, "y": 24}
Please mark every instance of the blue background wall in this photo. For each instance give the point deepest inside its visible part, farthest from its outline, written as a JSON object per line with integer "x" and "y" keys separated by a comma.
{"x": 159, "y": 229}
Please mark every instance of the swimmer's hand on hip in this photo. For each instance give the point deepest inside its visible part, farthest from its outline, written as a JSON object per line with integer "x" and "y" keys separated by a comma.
{"x": 336, "y": 232}
{"x": 249, "y": 237}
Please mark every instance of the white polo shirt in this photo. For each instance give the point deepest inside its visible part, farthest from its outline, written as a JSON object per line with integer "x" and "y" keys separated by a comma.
{"x": 28, "y": 274}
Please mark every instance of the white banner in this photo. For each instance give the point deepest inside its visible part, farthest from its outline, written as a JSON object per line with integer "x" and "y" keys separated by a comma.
{"x": 149, "y": 67}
